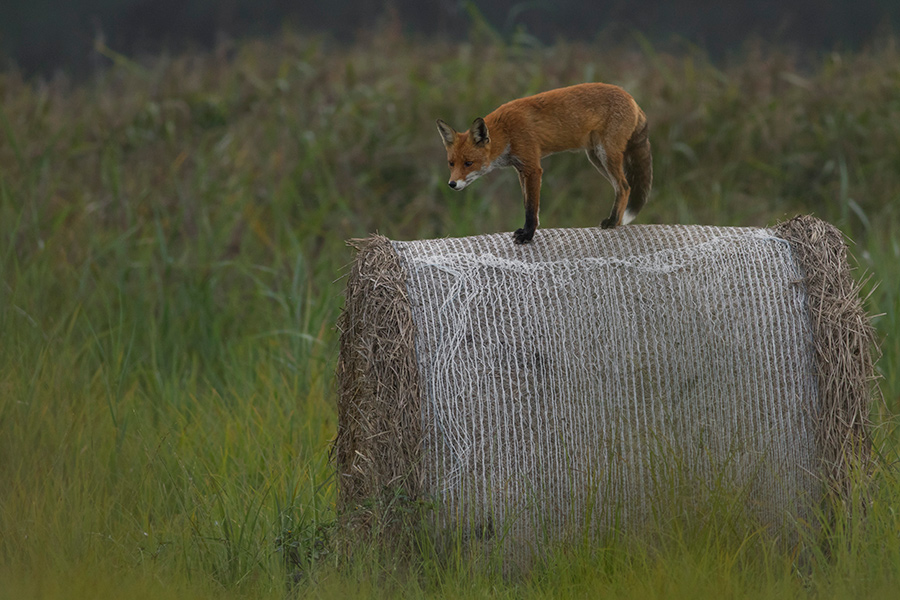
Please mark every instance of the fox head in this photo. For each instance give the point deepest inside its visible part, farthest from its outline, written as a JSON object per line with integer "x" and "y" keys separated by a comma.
{"x": 467, "y": 153}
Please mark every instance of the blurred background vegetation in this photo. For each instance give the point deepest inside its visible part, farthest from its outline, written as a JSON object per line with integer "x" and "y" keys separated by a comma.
{"x": 43, "y": 35}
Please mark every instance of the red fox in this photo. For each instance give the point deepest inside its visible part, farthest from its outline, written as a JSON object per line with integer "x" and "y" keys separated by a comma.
{"x": 601, "y": 119}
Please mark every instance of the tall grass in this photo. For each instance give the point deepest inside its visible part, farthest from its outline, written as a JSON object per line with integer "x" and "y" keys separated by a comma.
{"x": 171, "y": 248}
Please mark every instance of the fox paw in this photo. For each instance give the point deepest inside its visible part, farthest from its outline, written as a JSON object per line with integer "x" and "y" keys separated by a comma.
{"x": 607, "y": 223}
{"x": 523, "y": 236}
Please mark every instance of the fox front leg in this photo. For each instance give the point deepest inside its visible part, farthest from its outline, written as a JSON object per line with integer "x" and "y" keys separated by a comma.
{"x": 530, "y": 180}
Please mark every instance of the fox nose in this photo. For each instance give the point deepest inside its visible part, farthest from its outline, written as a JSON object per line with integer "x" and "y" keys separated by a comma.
{"x": 452, "y": 185}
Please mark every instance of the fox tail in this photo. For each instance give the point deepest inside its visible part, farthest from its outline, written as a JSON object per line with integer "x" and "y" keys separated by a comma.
{"x": 638, "y": 169}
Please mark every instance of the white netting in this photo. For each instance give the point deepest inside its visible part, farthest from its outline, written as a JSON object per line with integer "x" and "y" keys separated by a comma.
{"x": 583, "y": 379}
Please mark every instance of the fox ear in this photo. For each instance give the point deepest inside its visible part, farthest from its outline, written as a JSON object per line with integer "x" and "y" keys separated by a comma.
{"x": 448, "y": 134}
{"x": 479, "y": 132}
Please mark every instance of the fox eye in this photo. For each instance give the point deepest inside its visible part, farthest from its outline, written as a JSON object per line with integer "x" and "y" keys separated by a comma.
{"x": 468, "y": 163}
{"x": 450, "y": 162}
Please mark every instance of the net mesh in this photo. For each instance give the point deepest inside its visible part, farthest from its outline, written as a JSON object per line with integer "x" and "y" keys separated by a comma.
{"x": 592, "y": 379}
{"x": 549, "y": 379}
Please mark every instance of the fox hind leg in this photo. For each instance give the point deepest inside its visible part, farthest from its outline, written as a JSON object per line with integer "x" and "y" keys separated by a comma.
{"x": 611, "y": 166}
{"x": 597, "y": 156}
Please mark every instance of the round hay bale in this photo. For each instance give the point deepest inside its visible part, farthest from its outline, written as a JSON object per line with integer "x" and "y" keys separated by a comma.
{"x": 589, "y": 382}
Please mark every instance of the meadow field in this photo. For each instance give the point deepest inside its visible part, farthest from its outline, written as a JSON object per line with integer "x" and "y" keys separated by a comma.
{"x": 172, "y": 255}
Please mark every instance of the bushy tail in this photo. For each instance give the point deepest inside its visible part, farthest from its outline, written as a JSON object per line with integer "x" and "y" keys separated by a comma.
{"x": 638, "y": 169}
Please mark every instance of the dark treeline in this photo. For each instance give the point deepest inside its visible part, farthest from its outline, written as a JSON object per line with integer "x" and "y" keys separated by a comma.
{"x": 40, "y": 36}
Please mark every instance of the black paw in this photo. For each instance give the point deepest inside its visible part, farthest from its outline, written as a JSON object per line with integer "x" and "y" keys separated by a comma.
{"x": 523, "y": 236}
{"x": 607, "y": 223}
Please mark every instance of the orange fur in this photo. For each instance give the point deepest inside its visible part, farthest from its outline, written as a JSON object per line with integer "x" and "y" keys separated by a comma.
{"x": 601, "y": 119}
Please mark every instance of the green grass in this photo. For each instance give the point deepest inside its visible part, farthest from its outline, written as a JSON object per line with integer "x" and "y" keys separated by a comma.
{"x": 171, "y": 253}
